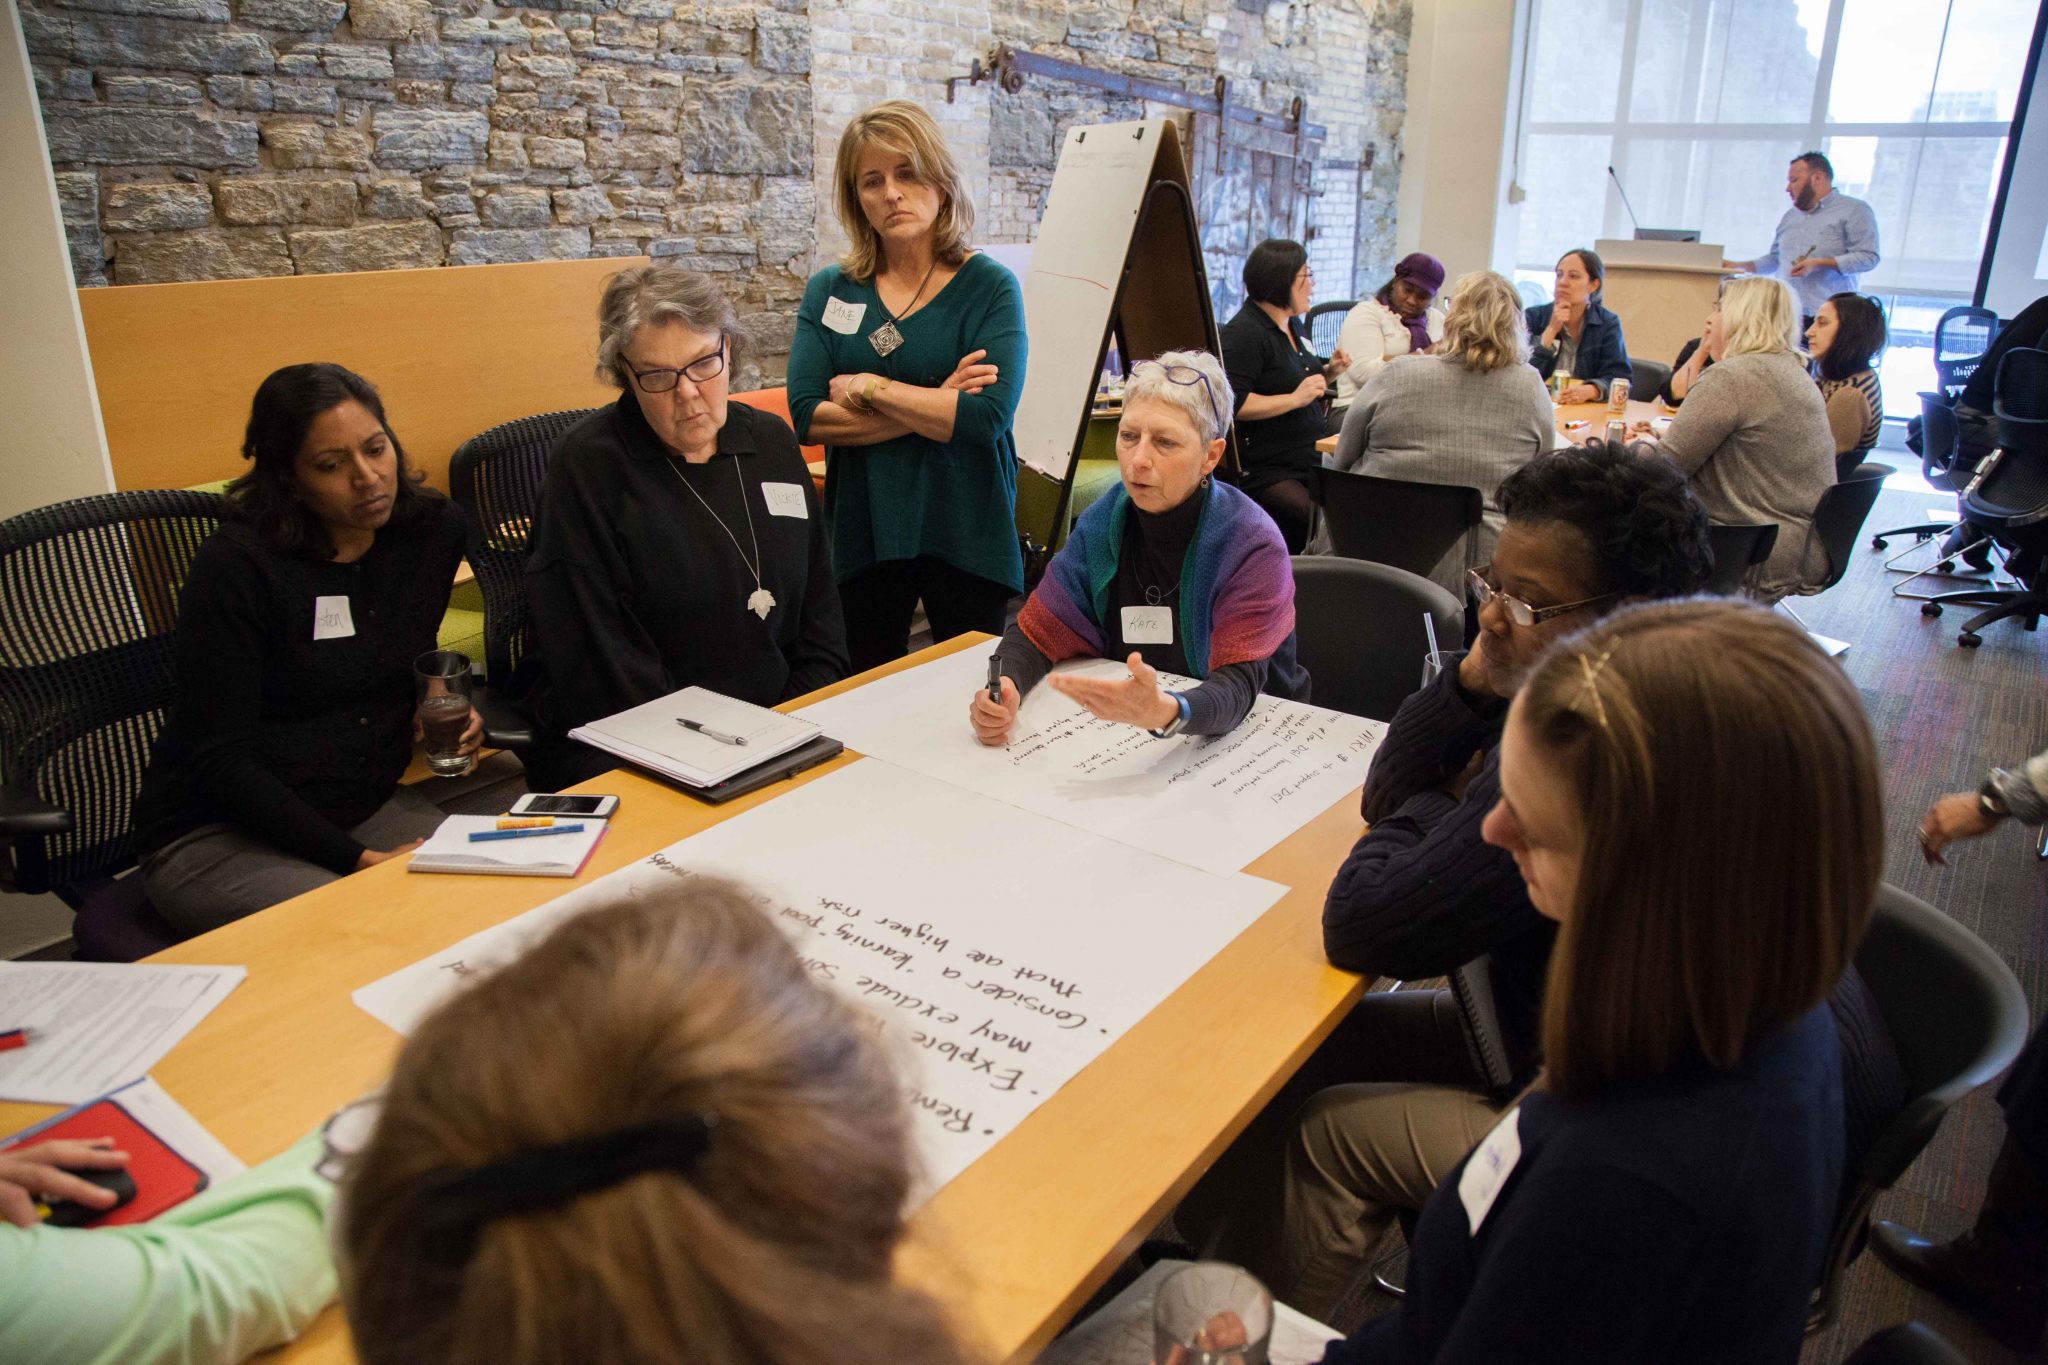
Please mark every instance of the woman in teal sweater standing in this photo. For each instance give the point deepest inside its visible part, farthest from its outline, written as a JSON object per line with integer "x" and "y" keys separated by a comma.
{"x": 907, "y": 365}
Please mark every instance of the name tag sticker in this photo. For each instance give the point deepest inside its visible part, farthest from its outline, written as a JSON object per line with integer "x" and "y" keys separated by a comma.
{"x": 785, "y": 500}
{"x": 1489, "y": 1167}
{"x": 843, "y": 316}
{"x": 331, "y": 620}
{"x": 1148, "y": 625}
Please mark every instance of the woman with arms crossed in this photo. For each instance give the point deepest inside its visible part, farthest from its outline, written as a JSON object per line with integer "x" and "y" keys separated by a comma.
{"x": 907, "y": 365}
{"x": 279, "y": 768}
{"x": 1171, "y": 571}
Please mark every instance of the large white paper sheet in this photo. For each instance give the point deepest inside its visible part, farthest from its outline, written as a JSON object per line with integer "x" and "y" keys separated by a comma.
{"x": 1215, "y": 803}
{"x": 1000, "y": 952}
{"x": 97, "y": 1026}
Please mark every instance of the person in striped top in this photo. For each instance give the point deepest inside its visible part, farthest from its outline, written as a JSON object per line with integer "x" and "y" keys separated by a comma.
{"x": 1845, "y": 339}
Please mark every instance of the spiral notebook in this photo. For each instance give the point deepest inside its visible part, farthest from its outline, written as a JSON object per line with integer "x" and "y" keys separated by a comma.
{"x": 724, "y": 736}
{"x": 551, "y": 855}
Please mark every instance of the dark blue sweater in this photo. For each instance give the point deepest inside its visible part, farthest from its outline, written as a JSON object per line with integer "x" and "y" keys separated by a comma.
{"x": 1661, "y": 1223}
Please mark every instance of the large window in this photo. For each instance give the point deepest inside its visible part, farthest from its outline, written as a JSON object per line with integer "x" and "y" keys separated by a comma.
{"x": 1699, "y": 104}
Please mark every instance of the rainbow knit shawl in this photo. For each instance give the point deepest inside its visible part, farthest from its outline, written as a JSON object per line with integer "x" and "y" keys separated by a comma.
{"x": 1236, "y": 596}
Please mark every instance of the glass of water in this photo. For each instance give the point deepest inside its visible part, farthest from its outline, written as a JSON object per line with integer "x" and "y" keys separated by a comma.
{"x": 441, "y": 680}
{"x": 1211, "y": 1313}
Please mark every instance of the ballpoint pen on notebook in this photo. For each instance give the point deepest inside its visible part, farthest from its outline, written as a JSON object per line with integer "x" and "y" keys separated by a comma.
{"x": 701, "y": 728}
{"x": 482, "y": 835}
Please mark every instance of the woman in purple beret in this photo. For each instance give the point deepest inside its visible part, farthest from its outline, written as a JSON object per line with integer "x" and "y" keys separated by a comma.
{"x": 1397, "y": 321}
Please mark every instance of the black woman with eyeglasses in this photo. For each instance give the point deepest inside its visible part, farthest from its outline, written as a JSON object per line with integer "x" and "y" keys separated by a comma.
{"x": 678, "y": 541}
{"x": 1172, "y": 572}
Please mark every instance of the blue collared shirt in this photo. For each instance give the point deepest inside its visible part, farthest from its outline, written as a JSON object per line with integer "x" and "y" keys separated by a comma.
{"x": 1837, "y": 226}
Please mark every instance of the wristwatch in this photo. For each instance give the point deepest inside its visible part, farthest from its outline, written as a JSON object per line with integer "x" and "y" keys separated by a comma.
{"x": 1990, "y": 802}
{"x": 1178, "y": 723}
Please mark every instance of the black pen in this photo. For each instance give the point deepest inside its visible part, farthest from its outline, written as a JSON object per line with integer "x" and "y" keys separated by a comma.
{"x": 701, "y": 728}
{"x": 995, "y": 678}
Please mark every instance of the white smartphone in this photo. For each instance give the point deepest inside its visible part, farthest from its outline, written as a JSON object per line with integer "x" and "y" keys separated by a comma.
{"x": 552, "y": 803}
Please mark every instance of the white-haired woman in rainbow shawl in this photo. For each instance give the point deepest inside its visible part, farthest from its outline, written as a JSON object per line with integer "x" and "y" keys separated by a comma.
{"x": 1173, "y": 572}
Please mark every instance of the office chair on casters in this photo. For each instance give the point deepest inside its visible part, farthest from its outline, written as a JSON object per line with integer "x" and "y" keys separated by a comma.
{"x": 1359, "y": 631}
{"x": 1647, "y": 378}
{"x": 1737, "y": 550}
{"x": 1838, "y": 520}
{"x": 88, "y": 615}
{"x": 495, "y": 477}
{"x": 1958, "y": 1018}
{"x": 2008, "y": 497}
{"x": 1411, "y": 526}
{"x": 1340, "y": 307}
{"x": 1961, "y": 337}
{"x": 1943, "y": 465}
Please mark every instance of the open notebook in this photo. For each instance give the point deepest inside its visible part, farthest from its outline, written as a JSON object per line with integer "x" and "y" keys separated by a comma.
{"x": 553, "y": 855}
{"x": 654, "y": 736}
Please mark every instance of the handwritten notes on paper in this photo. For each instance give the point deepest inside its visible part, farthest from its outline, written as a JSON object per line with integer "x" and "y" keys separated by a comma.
{"x": 999, "y": 952}
{"x": 1211, "y": 802}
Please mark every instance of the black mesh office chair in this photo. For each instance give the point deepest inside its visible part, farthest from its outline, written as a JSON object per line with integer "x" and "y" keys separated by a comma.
{"x": 495, "y": 476}
{"x": 1360, "y": 633}
{"x": 1958, "y": 1018}
{"x": 1944, "y": 465}
{"x": 1411, "y": 526}
{"x": 1737, "y": 550}
{"x": 88, "y": 612}
{"x": 1325, "y": 343}
{"x": 1961, "y": 337}
{"x": 2008, "y": 498}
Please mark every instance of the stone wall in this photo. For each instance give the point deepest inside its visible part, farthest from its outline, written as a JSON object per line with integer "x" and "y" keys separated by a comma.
{"x": 216, "y": 139}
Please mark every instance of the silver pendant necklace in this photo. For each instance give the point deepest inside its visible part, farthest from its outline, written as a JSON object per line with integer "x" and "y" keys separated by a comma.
{"x": 760, "y": 601}
{"x": 886, "y": 338}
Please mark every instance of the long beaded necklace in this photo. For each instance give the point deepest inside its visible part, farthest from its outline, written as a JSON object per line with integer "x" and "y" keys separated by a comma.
{"x": 760, "y": 601}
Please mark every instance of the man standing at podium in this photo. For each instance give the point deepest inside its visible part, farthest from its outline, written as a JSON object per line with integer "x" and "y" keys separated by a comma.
{"x": 1824, "y": 241}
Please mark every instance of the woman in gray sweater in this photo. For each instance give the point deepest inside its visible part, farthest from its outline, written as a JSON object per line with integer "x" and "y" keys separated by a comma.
{"x": 1753, "y": 435}
{"x": 1470, "y": 413}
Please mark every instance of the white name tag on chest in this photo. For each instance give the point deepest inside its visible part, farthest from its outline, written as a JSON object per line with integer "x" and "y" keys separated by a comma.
{"x": 1148, "y": 625}
{"x": 331, "y": 619}
{"x": 1489, "y": 1167}
{"x": 785, "y": 500}
{"x": 844, "y": 317}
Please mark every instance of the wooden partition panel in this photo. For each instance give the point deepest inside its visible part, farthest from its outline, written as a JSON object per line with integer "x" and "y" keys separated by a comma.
{"x": 453, "y": 349}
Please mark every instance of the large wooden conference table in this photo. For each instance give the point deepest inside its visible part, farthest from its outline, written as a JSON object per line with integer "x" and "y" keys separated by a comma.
{"x": 1015, "y": 1244}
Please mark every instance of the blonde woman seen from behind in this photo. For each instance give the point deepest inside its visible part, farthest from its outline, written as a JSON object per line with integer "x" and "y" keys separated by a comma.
{"x": 651, "y": 1140}
{"x": 1470, "y": 414}
{"x": 1753, "y": 436}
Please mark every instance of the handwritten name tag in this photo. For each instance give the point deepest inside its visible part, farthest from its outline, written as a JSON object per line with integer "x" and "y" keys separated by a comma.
{"x": 843, "y": 316}
{"x": 1489, "y": 1167}
{"x": 331, "y": 619}
{"x": 1148, "y": 625}
{"x": 785, "y": 500}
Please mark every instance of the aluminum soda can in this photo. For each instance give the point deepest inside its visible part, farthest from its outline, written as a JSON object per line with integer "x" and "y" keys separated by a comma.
{"x": 1617, "y": 431}
{"x": 1617, "y": 396}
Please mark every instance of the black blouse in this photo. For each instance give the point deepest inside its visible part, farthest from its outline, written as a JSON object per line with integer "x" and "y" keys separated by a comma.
{"x": 1259, "y": 358}
{"x": 636, "y": 588}
{"x": 295, "y": 738}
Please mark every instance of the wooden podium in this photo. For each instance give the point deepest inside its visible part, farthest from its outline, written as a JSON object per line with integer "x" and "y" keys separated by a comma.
{"x": 1661, "y": 291}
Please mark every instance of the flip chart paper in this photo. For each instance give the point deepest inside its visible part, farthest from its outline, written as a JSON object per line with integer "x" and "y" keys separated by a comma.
{"x": 999, "y": 952}
{"x": 1211, "y": 802}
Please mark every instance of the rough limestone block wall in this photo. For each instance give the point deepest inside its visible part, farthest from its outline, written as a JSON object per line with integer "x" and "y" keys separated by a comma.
{"x": 220, "y": 139}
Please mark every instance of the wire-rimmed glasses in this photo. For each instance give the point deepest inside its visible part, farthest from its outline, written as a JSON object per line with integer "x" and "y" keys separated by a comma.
{"x": 1520, "y": 612}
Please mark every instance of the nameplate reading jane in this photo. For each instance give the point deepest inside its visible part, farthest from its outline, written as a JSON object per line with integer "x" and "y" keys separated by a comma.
{"x": 843, "y": 316}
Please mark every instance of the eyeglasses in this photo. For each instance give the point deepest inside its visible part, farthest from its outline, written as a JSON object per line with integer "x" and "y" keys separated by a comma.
{"x": 346, "y": 1133}
{"x": 1189, "y": 376}
{"x": 702, "y": 370}
{"x": 1520, "y": 612}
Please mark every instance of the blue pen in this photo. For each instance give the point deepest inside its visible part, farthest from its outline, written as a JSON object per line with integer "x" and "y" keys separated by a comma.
{"x": 479, "y": 836}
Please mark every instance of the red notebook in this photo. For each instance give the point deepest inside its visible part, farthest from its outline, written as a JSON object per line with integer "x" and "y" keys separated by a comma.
{"x": 163, "y": 1179}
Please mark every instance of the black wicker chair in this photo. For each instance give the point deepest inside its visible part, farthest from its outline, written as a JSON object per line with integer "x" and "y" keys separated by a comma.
{"x": 88, "y": 611}
{"x": 495, "y": 477}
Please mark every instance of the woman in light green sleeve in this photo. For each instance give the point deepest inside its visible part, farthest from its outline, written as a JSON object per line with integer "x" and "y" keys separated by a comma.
{"x": 907, "y": 364}
{"x": 238, "y": 1269}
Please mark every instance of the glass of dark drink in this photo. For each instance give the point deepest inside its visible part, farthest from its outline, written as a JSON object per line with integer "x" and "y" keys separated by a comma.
{"x": 441, "y": 680}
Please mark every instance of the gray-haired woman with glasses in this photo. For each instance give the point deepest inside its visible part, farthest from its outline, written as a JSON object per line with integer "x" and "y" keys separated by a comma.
{"x": 1173, "y": 572}
{"x": 678, "y": 541}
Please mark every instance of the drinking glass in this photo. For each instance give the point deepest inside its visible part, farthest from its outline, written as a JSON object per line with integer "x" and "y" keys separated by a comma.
{"x": 441, "y": 681}
{"x": 1211, "y": 1313}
